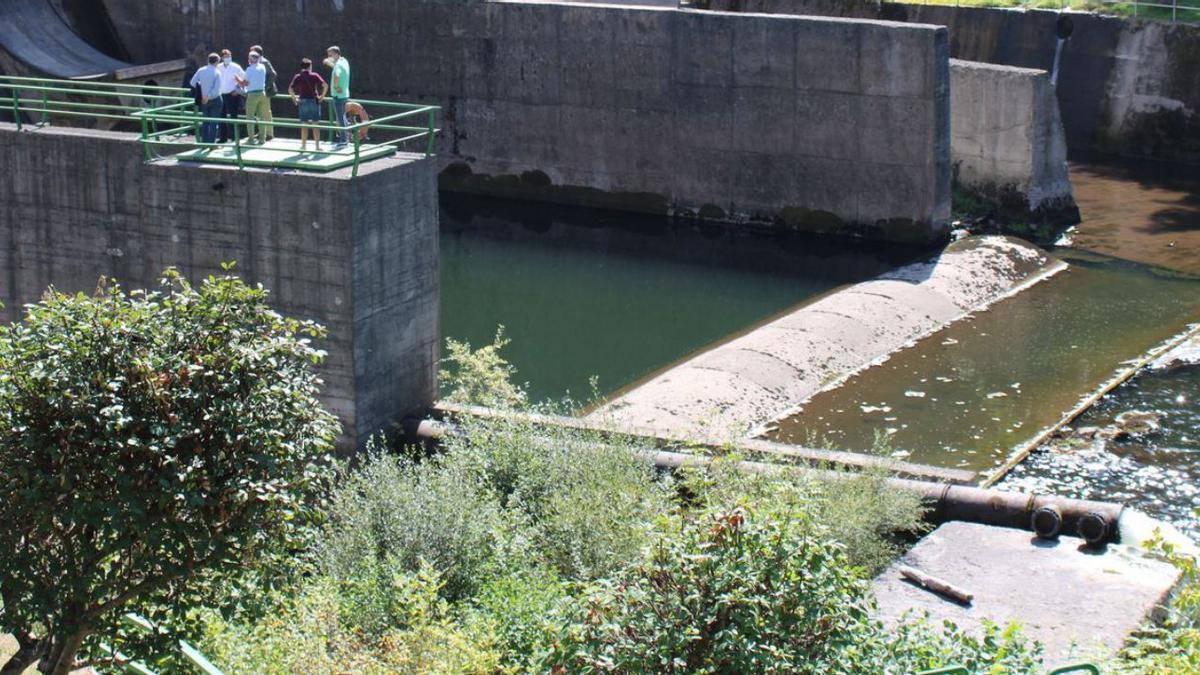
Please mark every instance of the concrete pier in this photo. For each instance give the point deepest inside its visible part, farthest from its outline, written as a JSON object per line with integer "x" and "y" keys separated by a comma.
{"x": 1007, "y": 142}
{"x": 738, "y": 387}
{"x": 357, "y": 255}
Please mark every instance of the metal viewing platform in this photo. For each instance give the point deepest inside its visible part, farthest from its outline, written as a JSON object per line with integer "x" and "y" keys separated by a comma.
{"x": 169, "y": 122}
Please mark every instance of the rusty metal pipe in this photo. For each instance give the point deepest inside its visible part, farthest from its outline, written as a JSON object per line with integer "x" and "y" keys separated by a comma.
{"x": 1096, "y": 522}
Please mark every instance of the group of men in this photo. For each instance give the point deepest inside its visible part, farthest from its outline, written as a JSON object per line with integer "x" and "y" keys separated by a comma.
{"x": 224, "y": 90}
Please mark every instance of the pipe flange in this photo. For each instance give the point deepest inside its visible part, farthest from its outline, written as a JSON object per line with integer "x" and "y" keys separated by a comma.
{"x": 1093, "y": 528}
{"x": 1047, "y": 521}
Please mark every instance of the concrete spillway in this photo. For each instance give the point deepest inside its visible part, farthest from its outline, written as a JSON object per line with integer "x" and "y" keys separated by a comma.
{"x": 738, "y": 387}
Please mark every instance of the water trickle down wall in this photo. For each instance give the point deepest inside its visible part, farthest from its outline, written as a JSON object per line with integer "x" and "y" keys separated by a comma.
{"x": 812, "y": 123}
{"x": 359, "y": 256}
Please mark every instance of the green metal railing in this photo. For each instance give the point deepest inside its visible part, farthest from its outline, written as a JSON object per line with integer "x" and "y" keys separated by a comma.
{"x": 185, "y": 114}
{"x": 169, "y": 117}
{"x": 42, "y": 98}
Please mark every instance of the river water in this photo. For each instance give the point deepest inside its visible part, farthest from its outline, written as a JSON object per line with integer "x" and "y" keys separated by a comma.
{"x": 978, "y": 393}
{"x": 585, "y": 293}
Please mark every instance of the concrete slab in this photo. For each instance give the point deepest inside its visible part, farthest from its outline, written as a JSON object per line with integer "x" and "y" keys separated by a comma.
{"x": 286, "y": 153}
{"x": 1078, "y": 602}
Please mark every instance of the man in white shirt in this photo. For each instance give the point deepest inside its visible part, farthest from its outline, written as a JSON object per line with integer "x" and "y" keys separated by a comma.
{"x": 233, "y": 93}
{"x": 208, "y": 78}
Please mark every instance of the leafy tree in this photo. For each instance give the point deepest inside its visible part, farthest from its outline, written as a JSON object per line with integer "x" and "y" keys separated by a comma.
{"x": 154, "y": 446}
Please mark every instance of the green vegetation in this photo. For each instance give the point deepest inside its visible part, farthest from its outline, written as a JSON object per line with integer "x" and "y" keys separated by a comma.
{"x": 202, "y": 503}
{"x": 519, "y": 549}
{"x": 156, "y": 447}
{"x": 1173, "y": 646}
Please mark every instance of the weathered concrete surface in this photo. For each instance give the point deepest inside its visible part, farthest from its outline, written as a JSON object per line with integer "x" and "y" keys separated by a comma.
{"x": 359, "y": 256}
{"x": 1007, "y": 142}
{"x": 737, "y": 387}
{"x": 808, "y": 123}
{"x": 857, "y": 9}
{"x": 1076, "y": 601}
{"x": 1126, "y": 86}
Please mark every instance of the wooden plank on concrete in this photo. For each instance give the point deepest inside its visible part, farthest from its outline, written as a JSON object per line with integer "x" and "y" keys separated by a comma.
{"x": 151, "y": 69}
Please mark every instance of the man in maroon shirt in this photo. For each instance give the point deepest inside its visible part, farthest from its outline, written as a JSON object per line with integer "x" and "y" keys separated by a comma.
{"x": 307, "y": 91}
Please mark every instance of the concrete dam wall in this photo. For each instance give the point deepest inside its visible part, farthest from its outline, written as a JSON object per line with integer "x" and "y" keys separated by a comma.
{"x": 359, "y": 256}
{"x": 817, "y": 124}
{"x": 1127, "y": 86}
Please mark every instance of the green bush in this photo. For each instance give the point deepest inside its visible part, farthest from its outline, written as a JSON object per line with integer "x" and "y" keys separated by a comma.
{"x": 516, "y": 606}
{"x": 395, "y": 511}
{"x": 863, "y": 513}
{"x": 737, "y": 591}
{"x": 334, "y": 626}
{"x": 501, "y": 491}
{"x": 480, "y": 376}
{"x": 155, "y": 445}
{"x": 583, "y": 504}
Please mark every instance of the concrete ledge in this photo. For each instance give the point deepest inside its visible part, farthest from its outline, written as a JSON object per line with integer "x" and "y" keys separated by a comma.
{"x": 736, "y": 388}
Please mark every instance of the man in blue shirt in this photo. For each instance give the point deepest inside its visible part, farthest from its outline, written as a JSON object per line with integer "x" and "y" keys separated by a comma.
{"x": 208, "y": 78}
{"x": 258, "y": 106}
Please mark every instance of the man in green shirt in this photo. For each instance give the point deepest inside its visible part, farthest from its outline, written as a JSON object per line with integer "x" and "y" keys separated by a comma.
{"x": 339, "y": 88}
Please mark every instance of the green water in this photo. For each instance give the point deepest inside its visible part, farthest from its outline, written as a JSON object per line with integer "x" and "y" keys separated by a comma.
{"x": 585, "y": 292}
{"x": 969, "y": 395}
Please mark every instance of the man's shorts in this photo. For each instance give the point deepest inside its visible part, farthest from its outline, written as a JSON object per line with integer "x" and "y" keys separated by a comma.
{"x": 310, "y": 110}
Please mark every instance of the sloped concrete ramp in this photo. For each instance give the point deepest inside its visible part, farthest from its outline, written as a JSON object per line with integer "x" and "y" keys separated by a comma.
{"x": 38, "y": 36}
{"x": 736, "y": 388}
{"x": 1080, "y": 603}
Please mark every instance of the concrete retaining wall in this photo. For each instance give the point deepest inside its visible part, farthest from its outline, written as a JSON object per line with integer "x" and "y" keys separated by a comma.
{"x": 1127, "y": 86}
{"x": 1006, "y": 140}
{"x": 738, "y": 387}
{"x": 359, "y": 256}
{"x": 817, "y": 124}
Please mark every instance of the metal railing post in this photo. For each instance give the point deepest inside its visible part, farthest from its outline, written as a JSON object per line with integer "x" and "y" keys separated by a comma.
{"x": 429, "y": 134}
{"x": 354, "y": 169}
{"x": 332, "y": 120}
{"x": 16, "y": 106}
{"x": 45, "y": 103}
{"x": 237, "y": 144}
{"x": 145, "y": 138}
